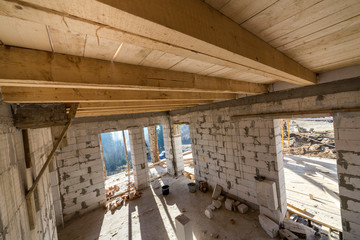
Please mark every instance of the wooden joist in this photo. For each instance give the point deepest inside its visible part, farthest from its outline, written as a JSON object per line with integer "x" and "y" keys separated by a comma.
{"x": 69, "y": 95}
{"x": 218, "y": 40}
{"x": 30, "y": 68}
{"x": 144, "y": 104}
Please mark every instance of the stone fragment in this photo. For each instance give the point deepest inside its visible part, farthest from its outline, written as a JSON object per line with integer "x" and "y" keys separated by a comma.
{"x": 211, "y": 207}
{"x": 217, "y": 191}
{"x": 229, "y": 204}
{"x": 221, "y": 198}
{"x": 216, "y": 203}
{"x": 242, "y": 208}
{"x": 235, "y": 205}
{"x": 269, "y": 226}
{"x": 286, "y": 234}
{"x": 209, "y": 213}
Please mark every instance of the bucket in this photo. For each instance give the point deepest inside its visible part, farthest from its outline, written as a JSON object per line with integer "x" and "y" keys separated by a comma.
{"x": 165, "y": 189}
{"x": 192, "y": 187}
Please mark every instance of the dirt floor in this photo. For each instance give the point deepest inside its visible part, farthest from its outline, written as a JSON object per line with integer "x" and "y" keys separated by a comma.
{"x": 317, "y": 176}
{"x": 152, "y": 216}
{"x": 312, "y": 137}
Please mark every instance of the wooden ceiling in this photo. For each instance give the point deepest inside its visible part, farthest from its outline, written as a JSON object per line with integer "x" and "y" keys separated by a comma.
{"x": 117, "y": 57}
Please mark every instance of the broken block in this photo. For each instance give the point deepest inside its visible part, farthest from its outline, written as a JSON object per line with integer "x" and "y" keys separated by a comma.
{"x": 284, "y": 233}
{"x": 211, "y": 207}
{"x": 217, "y": 191}
{"x": 216, "y": 203}
{"x": 269, "y": 226}
{"x": 221, "y": 198}
{"x": 235, "y": 205}
{"x": 229, "y": 204}
{"x": 242, "y": 208}
{"x": 183, "y": 228}
{"x": 209, "y": 213}
{"x": 298, "y": 227}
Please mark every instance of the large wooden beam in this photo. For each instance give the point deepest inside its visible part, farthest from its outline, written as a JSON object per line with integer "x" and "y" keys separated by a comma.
{"x": 39, "y": 115}
{"x": 186, "y": 28}
{"x": 119, "y": 112}
{"x": 70, "y": 95}
{"x": 129, "y": 104}
{"x": 30, "y": 68}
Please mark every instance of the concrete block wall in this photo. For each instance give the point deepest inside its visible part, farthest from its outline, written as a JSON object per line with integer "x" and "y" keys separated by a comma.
{"x": 232, "y": 152}
{"x": 80, "y": 166}
{"x": 80, "y": 172}
{"x": 138, "y": 157}
{"x": 177, "y": 148}
{"x": 347, "y": 143}
{"x": 14, "y": 223}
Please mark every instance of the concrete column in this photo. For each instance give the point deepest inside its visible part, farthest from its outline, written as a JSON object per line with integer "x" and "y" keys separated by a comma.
{"x": 138, "y": 157}
{"x": 347, "y": 142}
{"x": 168, "y": 149}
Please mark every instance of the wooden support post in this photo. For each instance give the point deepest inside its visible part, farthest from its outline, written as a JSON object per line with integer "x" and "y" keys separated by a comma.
{"x": 282, "y": 135}
{"x": 52, "y": 153}
{"x": 102, "y": 156}
{"x": 154, "y": 144}
{"x": 26, "y": 142}
{"x": 126, "y": 153}
{"x": 288, "y": 133}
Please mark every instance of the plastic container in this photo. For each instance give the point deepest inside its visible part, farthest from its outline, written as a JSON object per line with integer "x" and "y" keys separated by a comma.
{"x": 192, "y": 187}
{"x": 165, "y": 190}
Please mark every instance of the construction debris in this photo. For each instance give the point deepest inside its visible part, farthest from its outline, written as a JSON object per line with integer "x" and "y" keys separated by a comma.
{"x": 242, "y": 208}
{"x": 286, "y": 234}
{"x": 203, "y": 186}
{"x": 217, "y": 191}
{"x": 298, "y": 228}
{"x": 229, "y": 204}
{"x": 209, "y": 213}
{"x": 270, "y": 227}
{"x": 216, "y": 203}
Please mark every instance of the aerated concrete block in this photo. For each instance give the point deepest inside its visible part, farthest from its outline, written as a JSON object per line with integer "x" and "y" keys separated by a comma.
{"x": 269, "y": 226}
{"x": 266, "y": 194}
{"x": 183, "y": 228}
{"x": 242, "y": 208}
{"x": 209, "y": 213}
{"x": 229, "y": 204}
{"x": 217, "y": 191}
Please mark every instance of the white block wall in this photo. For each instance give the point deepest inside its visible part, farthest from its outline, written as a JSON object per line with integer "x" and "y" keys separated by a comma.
{"x": 14, "y": 222}
{"x": 138, "y": 157}
{"x": 347, "y": 143}
{"x": 80, "y": 167}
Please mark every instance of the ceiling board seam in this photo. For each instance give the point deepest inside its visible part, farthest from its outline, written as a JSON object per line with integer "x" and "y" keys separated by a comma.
{"x": 50, "y": 40}
{"x": 258, "y": 13}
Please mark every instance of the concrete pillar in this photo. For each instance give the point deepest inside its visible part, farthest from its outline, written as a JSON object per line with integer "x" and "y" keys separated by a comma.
{"x": 347, "y": 142}
{"x": 168, "y": 149}
{"x": 138, "y": 157}
{"x": 154, "y": 149}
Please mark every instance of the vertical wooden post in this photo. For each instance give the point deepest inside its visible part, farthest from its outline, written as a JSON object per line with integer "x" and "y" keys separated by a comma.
{"x": 154, "y": 144}
{"x": 102, "y": 155}
{"x": 26, "y": 142}
{"x": 288, "y": 132}
{"x": 126, "y": 153}
{"x": 282, "y": 135}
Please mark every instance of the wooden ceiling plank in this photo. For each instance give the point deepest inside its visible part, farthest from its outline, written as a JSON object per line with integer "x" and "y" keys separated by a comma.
{"x": 16, "y": 32}
{"x": 312, "y": 14}
{"x": 67, "y": 42}
{"x": 130, "y": 108}
{"x": 25, "y": 67}
{"x": 100, "y": 48}
{"x": 70, "y": 95}
{"x": 326, "y": 25}
{"x": 218, "y": 40}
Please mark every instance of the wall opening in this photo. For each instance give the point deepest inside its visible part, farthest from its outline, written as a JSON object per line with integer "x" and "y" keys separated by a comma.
{"x": 154, "y": 140}
{"x": 310, "y": 171}
{"x": 187, "y": 151}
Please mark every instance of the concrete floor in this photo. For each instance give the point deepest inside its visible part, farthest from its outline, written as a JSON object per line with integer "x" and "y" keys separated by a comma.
{"x": 152, "y": 216}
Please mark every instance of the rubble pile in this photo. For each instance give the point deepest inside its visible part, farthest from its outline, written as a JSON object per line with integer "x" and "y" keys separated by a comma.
{"x": 115, "y": 198}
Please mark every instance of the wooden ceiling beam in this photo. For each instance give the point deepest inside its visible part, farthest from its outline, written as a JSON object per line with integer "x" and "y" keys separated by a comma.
{"x": 70, "y": 95}
{"x": 185, "y": 28}
{"x": 30, "y": 68}
{"x": 147, "y": 103}
{"x": 119, "y": 112}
